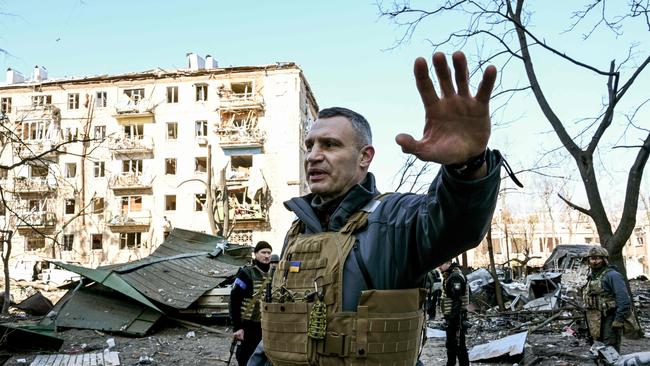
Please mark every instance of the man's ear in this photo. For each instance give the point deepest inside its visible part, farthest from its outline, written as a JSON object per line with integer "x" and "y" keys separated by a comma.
{"x": 366, "y": 155}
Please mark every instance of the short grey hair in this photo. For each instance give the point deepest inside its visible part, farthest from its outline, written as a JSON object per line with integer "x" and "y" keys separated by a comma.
{"x": 359, "y": 123}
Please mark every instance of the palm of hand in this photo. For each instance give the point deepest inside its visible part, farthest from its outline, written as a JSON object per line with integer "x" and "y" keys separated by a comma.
{"x": 457, "y": 125}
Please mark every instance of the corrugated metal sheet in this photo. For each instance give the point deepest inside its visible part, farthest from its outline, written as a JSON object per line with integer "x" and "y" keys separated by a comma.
{"x": 179, "y": 271}
{"x": 100, "y": 308}
{"x": 126, "y": 297}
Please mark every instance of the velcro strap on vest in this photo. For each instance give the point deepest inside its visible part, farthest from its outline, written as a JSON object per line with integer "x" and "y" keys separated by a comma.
{"x": 335, "y": 344}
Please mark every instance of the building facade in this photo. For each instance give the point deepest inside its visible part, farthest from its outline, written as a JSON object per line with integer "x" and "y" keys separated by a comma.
{"x": 99, "y": 169}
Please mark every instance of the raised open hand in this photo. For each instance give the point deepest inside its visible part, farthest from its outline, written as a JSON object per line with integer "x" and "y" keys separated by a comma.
{"x": 457, "y": 124}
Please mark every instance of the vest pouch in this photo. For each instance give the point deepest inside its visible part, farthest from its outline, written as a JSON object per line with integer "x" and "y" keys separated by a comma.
{"x": 593, "y": 318}
{"x": 284, "y": 332}
{"x": 389, "y": 327}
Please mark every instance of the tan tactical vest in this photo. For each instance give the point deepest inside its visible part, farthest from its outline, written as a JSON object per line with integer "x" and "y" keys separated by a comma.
{"x": 446, "y": 302}
{"x": 304, "y": 323}
{"x": 250, "y": 306}
{"x": 597, "y": 303}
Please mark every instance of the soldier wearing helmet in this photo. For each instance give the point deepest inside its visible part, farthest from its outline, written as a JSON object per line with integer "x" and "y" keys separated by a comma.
{"x": 606, "y": 299}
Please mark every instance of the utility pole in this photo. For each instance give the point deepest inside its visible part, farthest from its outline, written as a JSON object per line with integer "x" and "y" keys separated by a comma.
{"x": 225, "y": 228}
{"x": 209, "y": 195}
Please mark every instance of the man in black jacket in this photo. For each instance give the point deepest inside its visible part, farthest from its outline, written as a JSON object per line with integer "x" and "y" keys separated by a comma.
{"x": 247, "y": 292}
{"x": 453, "y": 303}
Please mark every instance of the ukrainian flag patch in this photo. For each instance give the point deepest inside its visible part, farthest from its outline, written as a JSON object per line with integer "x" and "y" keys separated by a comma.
{"x": 294, "y": 266}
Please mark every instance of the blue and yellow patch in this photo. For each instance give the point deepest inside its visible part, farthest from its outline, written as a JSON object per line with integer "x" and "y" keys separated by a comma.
{"x": 294, "y": 266}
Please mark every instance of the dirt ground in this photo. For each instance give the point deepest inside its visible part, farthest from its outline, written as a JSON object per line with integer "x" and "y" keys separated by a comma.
{"x": 172, "y": 344}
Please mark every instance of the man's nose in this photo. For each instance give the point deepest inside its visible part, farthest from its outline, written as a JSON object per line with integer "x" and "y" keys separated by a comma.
{"x": 314, "y": 154}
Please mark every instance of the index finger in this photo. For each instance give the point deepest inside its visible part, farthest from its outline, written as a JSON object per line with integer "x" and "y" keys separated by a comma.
{"x": 424, "y": 83}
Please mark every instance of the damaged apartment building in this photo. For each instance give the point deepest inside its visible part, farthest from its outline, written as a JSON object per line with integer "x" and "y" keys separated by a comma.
{"x": 103, "y": 167}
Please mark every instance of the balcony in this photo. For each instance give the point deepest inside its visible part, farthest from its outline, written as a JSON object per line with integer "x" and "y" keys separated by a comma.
{"x": 240, "y": 136}
{"x": 234, "y": 101}
{"x": 48, "y": 113}
{"x": 36, "y": 220}
{"x": 125, "y": 222}
{"x": 250, "y": 212}
{"x": 23, "y": 185}
{"x": 131, "y": 182}
{"x": 132, "y": 145}
{"x": 45, "y": 149}
{"x": 130, "y": 112}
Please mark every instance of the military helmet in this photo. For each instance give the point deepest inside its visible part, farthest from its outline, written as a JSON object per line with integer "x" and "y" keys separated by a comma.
{"x": 598, "y": 252}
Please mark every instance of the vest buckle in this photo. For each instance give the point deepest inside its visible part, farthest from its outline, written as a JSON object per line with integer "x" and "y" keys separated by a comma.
{"x": 335, "y": 344}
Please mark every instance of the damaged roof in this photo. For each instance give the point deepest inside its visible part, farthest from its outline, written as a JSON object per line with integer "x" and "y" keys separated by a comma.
{"x": 176, "y": 274}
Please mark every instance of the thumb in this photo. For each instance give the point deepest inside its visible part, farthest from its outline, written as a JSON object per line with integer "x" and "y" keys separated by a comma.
{"x": 407, "y": 142}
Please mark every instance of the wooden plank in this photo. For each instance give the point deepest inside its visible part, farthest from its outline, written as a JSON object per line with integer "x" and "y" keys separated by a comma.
{"x": 86, "y": 360}
{"x": 40, "y": 360}
{"x": 58, "y": 361}
{"x": 93, "y": 359}
{"x": 78, "y": 360}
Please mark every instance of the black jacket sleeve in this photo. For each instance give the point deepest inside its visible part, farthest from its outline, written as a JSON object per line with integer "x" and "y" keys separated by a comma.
{"x": 242, "y": 288}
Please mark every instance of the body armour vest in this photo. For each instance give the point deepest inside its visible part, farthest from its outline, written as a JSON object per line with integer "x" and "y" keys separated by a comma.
{"x": 446, "y": 302}
{"x": 304, "y": 324}
{"x": 250, "y": 306}
{"x": 597, "y": 303}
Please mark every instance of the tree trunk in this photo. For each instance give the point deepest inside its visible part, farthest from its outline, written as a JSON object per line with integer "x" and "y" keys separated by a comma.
{"x": 497, "y": 285}
{"x": 6, "y": 254}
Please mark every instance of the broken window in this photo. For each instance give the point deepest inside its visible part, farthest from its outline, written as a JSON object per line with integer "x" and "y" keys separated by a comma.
{"x": 242, "y": 90}
{"x": 172, "y": 130}
{"x": 3, "y": 209}
{"x": 135, "y": 95}
{"x": 5, "y": 105}
{"x": 172, "y": 94}
{"x": 38, "y": 171}
{"x": 99, "y": 169}
{"x": 170, "y": 202}
{"x": 70, "y": 170}
{"x": 201, "y": 128}
{"x": 68, "y": 241}
{"x": 130, "y": 240}
{"x": 99, "y": 132}
{"x": 131, "y": 204}
{"x": 170, "y": 166}
{"x": 69, "y": 206}
{"x": 70, "y": 134}
{"x": 200, "y": 164}
{"x": 73, "y": 101}
{"x": 98, "y": 205}
{"x": 101, "y": 99}
{"x": 240, "y": 166}
{"x": 36, "y": 205}
{"x": 41, "y": 100}
{"x": 134, "y": 131}
{"x": 201, "y": 92}
{"x": 34, "y": 130}
{"x": 35, "y": 243}
{"x": 96, "y": 241}
{"x": 199, "y": 201}
{"x": 132, "y": 166}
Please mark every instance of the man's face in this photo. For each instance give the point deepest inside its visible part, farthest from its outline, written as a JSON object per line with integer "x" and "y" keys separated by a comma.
{"x": 334, "y": 161}
{"x": 445, "y": 266}
{"x": 263, "y": 256}
{"x": 595, "y": 262}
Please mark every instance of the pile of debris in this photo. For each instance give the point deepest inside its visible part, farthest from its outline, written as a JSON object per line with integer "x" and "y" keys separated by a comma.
{"x": 187, "y": 277}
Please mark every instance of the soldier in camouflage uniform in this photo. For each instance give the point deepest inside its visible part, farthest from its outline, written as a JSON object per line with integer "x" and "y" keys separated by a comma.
{"x": 606, "y": 299}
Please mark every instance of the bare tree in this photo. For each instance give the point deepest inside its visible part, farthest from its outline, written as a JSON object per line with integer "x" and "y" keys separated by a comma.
{"x": 17, "y": 151}
{"x": 502, "y": 27}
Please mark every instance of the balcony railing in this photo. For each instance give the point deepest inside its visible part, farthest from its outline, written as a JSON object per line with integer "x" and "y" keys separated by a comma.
{"x": 46, "y": 112}
{"x": 39, "y": 220}
{"x": 45, "y": 148}
{"x": 247, "y": 212}
{"x": 232, "y": 101}
{"x": 128, "y": 220}
{"x": 33, "y": 185}
{"x": 128, "y": 110}
{"x": 240, "y": 136}
{"x": 129, "y": 181}
{"x": 132, "y": 145}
